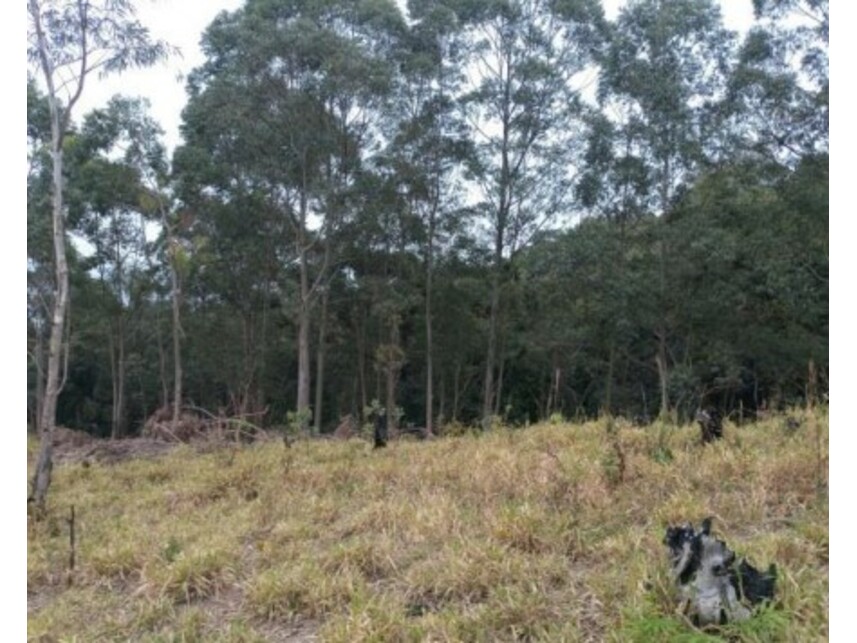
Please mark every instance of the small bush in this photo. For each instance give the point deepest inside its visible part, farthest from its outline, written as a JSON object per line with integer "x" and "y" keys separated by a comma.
{"x": 197, "y": 575}
{"x": 116, "y": 561}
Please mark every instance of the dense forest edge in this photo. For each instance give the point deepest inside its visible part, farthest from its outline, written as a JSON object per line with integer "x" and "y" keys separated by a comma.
{"x": 432, "y": 215}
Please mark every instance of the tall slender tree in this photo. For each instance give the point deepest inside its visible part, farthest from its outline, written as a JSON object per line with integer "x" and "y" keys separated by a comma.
{"x": 39, "y": 252}
{"x": 430, "y": 145}
{"x": 666, "y": 65}
{"x": 67, "y": 41}
{"x": 124, "y": 187}
{"x": 523, "y": 103}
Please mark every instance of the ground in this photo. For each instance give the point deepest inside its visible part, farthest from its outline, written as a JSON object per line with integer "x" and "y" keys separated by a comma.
{"x": 551, "y": 532}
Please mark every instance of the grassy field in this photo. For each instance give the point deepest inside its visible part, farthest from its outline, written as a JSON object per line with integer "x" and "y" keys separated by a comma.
{"x": 547, "y": 533}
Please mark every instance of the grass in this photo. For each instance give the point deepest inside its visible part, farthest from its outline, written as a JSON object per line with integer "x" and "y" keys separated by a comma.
{"x": 530, "y": 534}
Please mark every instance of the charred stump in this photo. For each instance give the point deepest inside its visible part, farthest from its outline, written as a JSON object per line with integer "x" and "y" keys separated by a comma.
{"x": 380, "y": 423}
{"x": 711, "y": 425}
{"x": 714, "y": 587}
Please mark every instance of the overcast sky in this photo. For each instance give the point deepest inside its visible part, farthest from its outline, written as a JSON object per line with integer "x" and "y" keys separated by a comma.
{"x": 181, "y": 23}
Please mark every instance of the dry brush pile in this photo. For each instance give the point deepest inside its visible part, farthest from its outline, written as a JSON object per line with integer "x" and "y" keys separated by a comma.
{"x": 547, "y": 533}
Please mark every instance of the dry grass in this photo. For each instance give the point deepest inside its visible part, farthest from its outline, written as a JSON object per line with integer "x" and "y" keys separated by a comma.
{"x": 517, "y": 535}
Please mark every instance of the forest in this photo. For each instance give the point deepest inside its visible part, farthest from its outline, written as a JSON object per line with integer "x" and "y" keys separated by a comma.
{"x": 473, "y": 212}
{"x": 549, "y": 237}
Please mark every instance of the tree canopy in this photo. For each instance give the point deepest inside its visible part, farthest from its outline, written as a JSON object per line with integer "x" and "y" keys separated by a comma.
{"x": 478, "y": 211}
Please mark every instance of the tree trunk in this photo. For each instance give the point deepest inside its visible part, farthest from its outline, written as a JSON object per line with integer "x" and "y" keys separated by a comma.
{"x": 175, "y": 284}
{"x": 117, "y": 371}
{"x": 246, "y": 399}
{"x": 429, "y": 346}
{"x": 546, "y": 410}
{"x": 498, "y": 411}
{"x": 355, "y": 386}
{"x": 441, "y": 411}
{"x": 122, "y": 372}
{"x": 40, "y": 378}
{"x": 56, "y": 346}
{"x": 162, "y": 365}
{"x": 319, "y": 367}
{"x": 663, "y": 368}
{"x": 488, "y": 391}
{"x": 114, "y": 385}
{"x": 361, "y": 364}
{"x": 303, "y": 408}
{"x": 177, "y": 344}
{"x": 392, "y": 371}
{"x": 504, "y": 188}
{"x": 456, "y": 378}
{"x": 261, "y": 400}
{"x": 663, "y": 375}
{"x": 607, "y": 406}
{"x": 556, "y": 375}
{"x": 392, "y": 416}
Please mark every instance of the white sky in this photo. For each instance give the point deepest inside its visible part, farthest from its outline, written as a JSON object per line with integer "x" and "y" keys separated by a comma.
{"x": 181, "y": 23}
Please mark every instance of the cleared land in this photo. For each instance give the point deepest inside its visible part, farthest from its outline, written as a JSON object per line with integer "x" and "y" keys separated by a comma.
{"x": 547, "y": 533}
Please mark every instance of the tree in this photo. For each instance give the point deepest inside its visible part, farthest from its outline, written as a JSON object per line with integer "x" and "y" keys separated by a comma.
{"x": 39, "y": 268}
{"x": 756, "y": 245}
{"x": 284, "y": 106}
{"x": 778, "y": 102}
{"x": 430, "y": 144}
{"x": 522, "y": 105}
{"x": 666, "y": 65}
{"x": 68, "y": 41}
{"x": 119, "y": 186}
{"x": 365, "y": 208}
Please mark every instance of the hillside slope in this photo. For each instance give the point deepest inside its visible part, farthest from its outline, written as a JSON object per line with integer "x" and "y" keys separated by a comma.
{"x": 546, "y": 533}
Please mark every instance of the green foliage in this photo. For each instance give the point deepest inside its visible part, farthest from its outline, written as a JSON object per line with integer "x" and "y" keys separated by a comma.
{"x": 172, "y": 549}
{"x": 659, "y": 440}
{"x": 691, "y": 221}
{"x": 297, "y": 422}
{"x": 767, "y": 625}
{"x": 664, "y": 628}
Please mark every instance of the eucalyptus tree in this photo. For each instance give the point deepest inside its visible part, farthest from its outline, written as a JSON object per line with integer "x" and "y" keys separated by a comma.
{"x": 284, "y": 108}
{"x": 778, "y": 102}
{"x": 141, "y": 141}
{"x": 429, "y": 147}
{"x": 67, "y": 40}
{"x": 661, "y": 76}
{"x": 379, "y": 260}
{"x": 105, "y": 193}
{"x": 806, "y": 25}
{"x": 615, "y": 185}
{"x": 39, "y": 263}
{"x": 523, "y": 99}
{"x": 118, "y": 189}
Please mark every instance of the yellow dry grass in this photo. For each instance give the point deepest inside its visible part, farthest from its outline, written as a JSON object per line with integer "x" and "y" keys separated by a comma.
{"x": 529, "y": 534}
